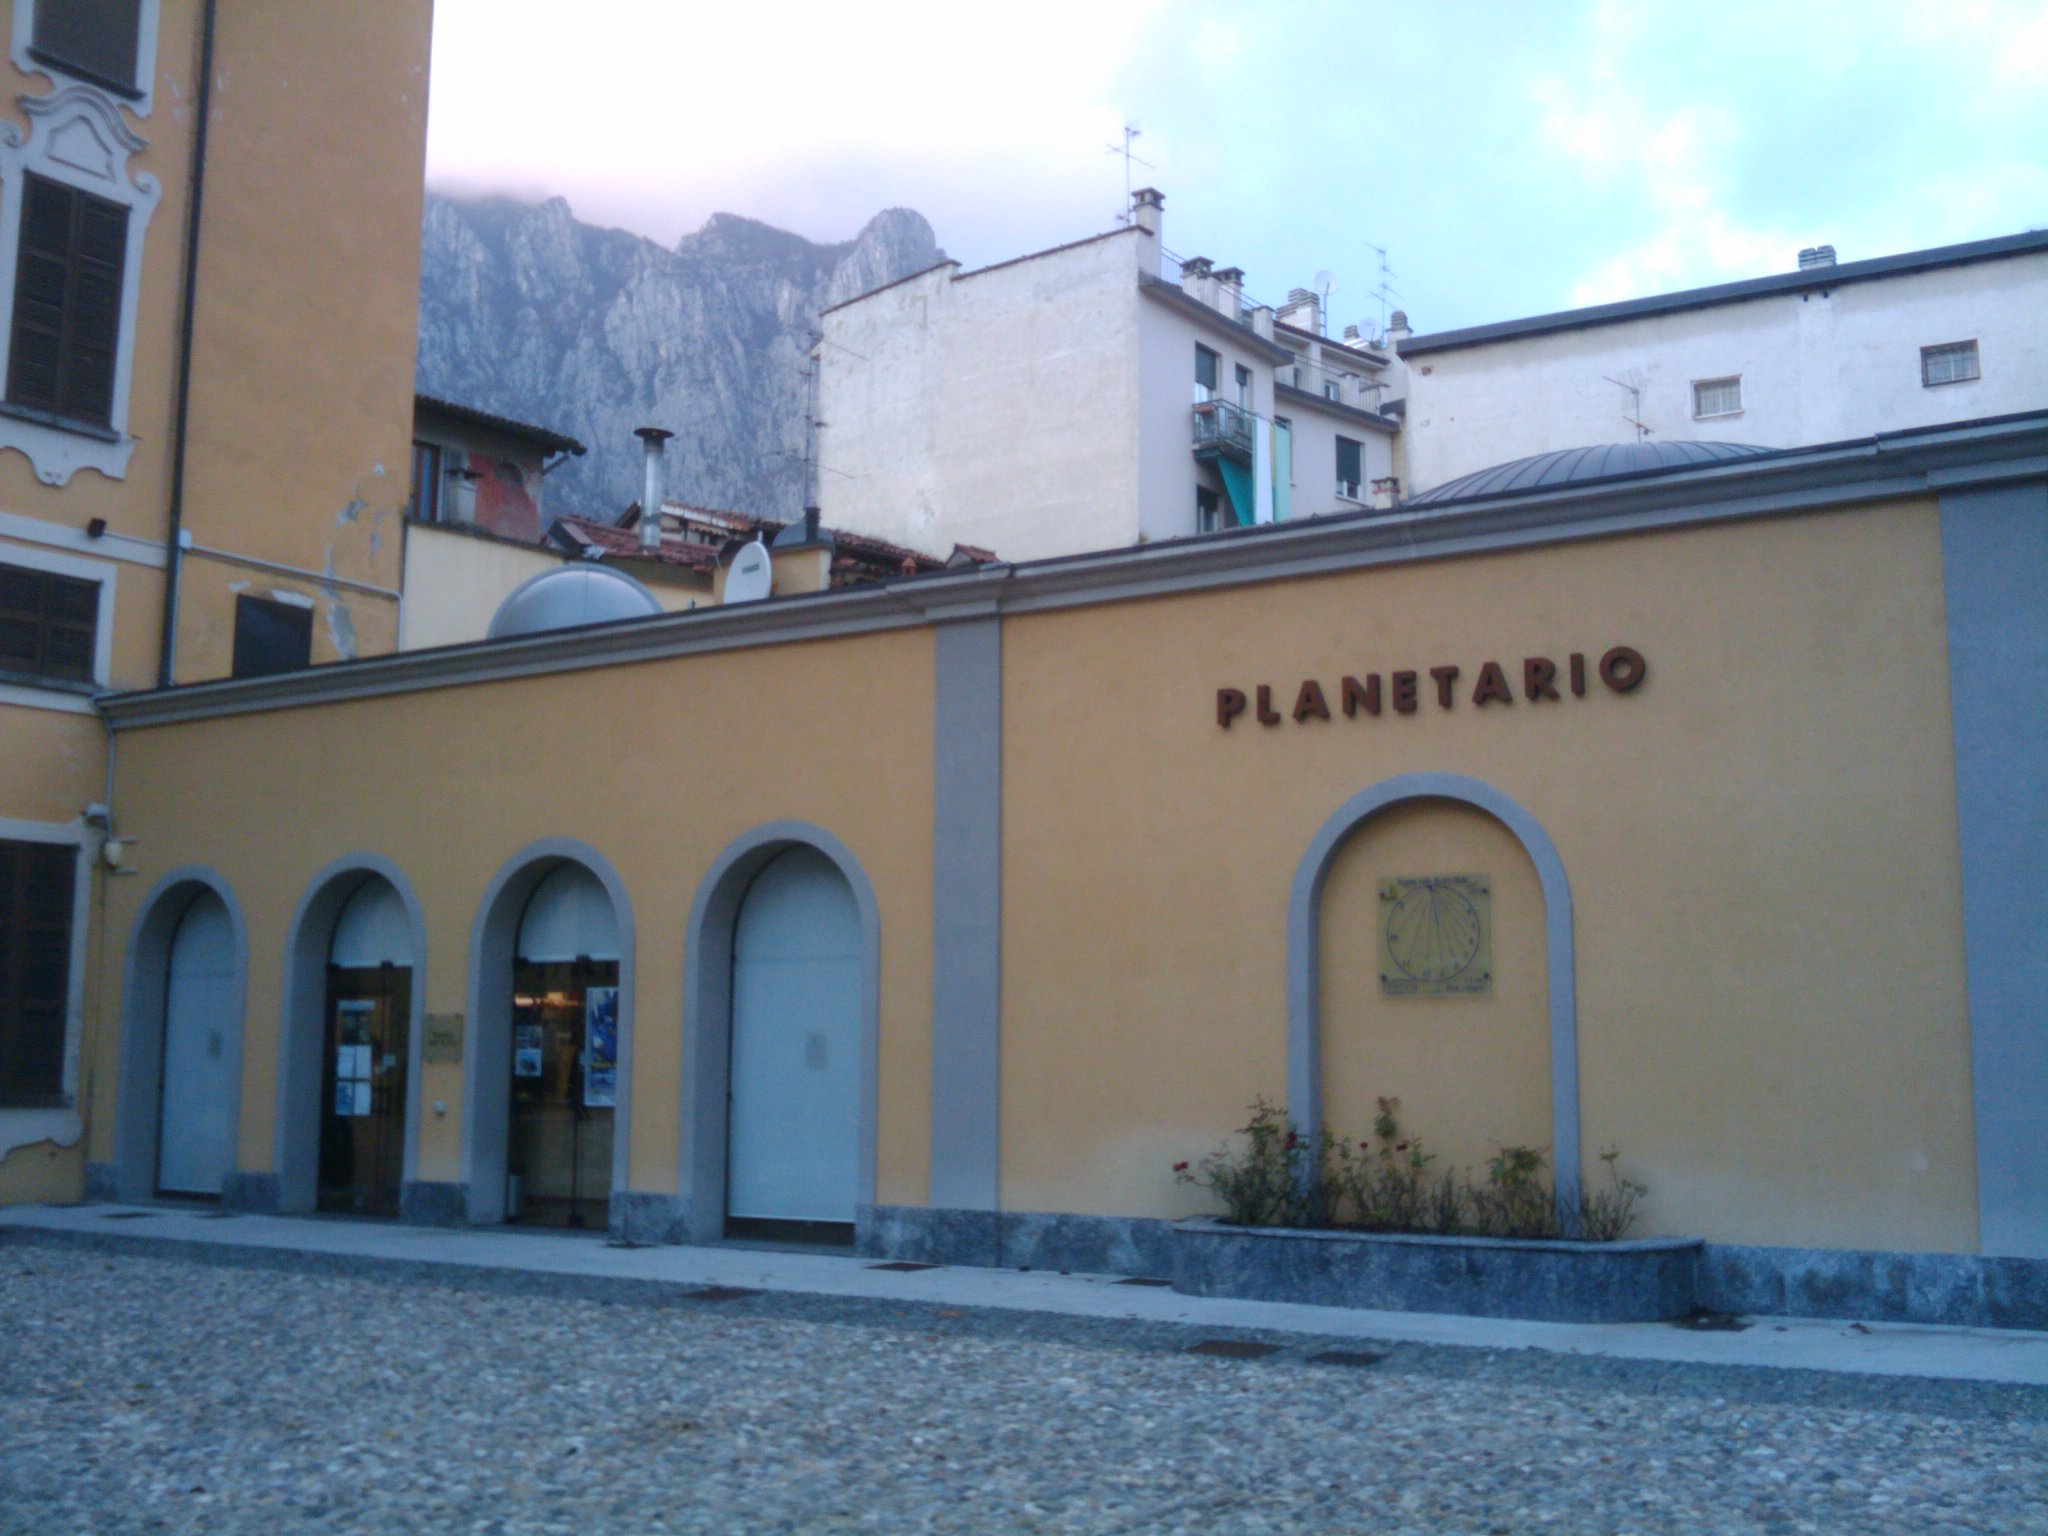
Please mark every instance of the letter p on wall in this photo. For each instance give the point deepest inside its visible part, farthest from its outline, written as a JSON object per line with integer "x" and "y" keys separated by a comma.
{"x": 1230, "y": 703}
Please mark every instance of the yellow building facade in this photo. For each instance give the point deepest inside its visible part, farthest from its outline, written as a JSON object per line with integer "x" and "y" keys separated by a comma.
{"x": 946, "y": 915}
{"x": 209, "y": 231}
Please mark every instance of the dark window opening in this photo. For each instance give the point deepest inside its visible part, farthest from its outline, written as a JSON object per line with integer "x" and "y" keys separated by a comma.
{"x": 1208, "y": 370}
{"x": 1208, "y": 510}
{"x": 49, "y": 624}
{"x": 1350, "y": 467}
{"x": 271, "y": 637}
{"x": 100, "y": 40}
{"x": 36, "y": 887}
{"x": 67, "y": 302}
{"x": 1244, "y": 386}
{"x": 426, "y": 483}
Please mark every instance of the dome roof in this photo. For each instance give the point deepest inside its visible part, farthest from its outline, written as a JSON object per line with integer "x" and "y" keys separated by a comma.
{"x": 570, "y": 598}
{"x": 1583, "y": 466}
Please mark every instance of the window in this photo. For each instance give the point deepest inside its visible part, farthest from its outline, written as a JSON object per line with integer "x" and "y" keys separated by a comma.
{"x": 1953, "y": 362}
{"x": 271, "y": 637}
{"x": 1332, "y": 390}
{"x": 48, "y": 625}
{"x": 1208, "y": 372}
{"x": 1244, "y": 386}
{"x": 1350, "y": 467}
{"x": 1208, "y": 510}
{"x": 96, "y": 40}
{"x": 1717, "y": 397}
{"x": 426, "y": 483}
{"x": 67, "y": 302}
{"x": 37, "y": 886}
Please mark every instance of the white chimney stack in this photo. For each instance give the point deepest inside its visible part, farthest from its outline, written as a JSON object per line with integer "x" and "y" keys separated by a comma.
{"x": 653, "y": 491}
{"x": 1816, "y": 256}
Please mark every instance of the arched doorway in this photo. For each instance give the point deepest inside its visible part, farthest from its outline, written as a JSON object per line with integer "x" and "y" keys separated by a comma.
{"x": 793, "y": 1157}
{"x": 199, "y": 1085}
{"x": 366, "y": 1063}
{"x": 564, "y": 1058}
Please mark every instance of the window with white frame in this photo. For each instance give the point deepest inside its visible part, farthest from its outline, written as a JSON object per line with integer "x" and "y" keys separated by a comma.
{"x": 1717, "y": 397}
{"x": 1953, "y": 362}
{"x": 72, "y": 220}
{"x": 56, "y": 628}
{"x": 1350, "y": 467}
{"x": 1208, "y": 510}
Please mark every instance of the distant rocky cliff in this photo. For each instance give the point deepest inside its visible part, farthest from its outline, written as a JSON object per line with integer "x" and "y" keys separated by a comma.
{"x": 526, "y": 312}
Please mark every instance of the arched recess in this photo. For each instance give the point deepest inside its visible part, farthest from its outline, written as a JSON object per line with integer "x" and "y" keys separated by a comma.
{"x": 707, "y": 1016}
{"x": 145, "y": 992}
{"x": 1304, "y": 954}
{"x": 487, "y": 1053}
{"x": 303, "y": 1027}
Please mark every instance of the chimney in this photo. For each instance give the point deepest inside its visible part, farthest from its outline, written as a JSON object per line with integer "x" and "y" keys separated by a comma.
{"x": 1303, "y": 310}
{"x": 1195, "y": 279}
{"x": 1351, "y": 334}
{"x": 1230, "y": 291}
{"x": 1397, "y": 327}
{"x": 653, "y": 490}
{"x": 1147, "y": 206}
{"x": 1386, "y": 493}
{"x": 1816, "y": 256}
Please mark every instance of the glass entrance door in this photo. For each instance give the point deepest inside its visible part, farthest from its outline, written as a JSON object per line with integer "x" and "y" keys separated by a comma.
{"x": 564, "y": 1066}
{"x": 362, "y": 1119}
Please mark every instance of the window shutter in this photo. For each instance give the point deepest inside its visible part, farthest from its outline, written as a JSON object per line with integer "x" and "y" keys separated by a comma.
{"x": 67, "y": 302}
{"x": 95, "y": 37}
{"x": 48, "y": 623}
{"x": 1348, "y": 456}
{"x": 36, "y": 882}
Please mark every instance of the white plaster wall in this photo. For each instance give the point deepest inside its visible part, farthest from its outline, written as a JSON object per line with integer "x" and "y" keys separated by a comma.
{"x": 1168, "y": 471}
{"x": 1817, "y": 367}
{"x": 995, "y": 408}
{"x": 454, "y": 583}
{"x": 1315, "y": 457}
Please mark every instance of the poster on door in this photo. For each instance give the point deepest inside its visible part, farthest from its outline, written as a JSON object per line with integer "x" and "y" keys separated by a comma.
{"x": 526, "y": 1045}
{"x": 600, "y": 1047}
{"x": 352, "y": 1056}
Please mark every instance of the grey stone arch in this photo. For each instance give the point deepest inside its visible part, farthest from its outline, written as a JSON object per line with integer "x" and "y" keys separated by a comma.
{"x": 707, "y": 1018}
{"x": 302, "y": 1024}
{"x": 138, "y": 1105}
{"x": 1304, "y": 954}
{"x": 487, "y": 1052}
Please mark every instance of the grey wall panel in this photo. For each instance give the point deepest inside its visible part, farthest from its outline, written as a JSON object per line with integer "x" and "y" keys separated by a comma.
{"x": 1994, "y": 547}
{"x": 967, "y": 914}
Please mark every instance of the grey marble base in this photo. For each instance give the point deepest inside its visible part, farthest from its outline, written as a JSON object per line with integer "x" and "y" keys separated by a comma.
{"x": 638, "y": 1217}
{"x": 428, "y": 1204}
{"x": 1956, "y": 1289}
{"x": 102, "y": 1184}
{"x": 252, "y": 1194}
{"x": 1102, "y": 1245}
{"x": 1629, "y": 1282}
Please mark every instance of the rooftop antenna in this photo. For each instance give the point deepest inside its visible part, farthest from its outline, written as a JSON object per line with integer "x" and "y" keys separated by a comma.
{"x": 1324, "y": 280}
{"x": 1386, "y": 291}
{"x": 811, "y": 425}
{"x": 1131, "y": 132}
{"x": 1632, "y": 410}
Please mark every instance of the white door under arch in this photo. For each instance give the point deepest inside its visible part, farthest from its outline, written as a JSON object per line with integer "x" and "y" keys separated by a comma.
{"x": 201, "y": 1065}
{"x": 796, "y": 980}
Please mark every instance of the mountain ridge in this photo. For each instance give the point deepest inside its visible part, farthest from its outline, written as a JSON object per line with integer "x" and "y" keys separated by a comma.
{"x": 528, "y": 312}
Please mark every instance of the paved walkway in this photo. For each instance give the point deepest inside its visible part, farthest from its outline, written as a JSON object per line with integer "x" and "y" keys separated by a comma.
{"x": 587, "y": 1265}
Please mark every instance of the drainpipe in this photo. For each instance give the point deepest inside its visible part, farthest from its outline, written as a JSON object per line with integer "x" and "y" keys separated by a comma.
{"x": 652, "y": 491}
{"x": 167, "y": 648}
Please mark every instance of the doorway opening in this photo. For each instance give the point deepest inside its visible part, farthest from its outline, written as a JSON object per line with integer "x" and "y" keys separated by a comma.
{"x": 199, "y": 1085}
{"x": 565, "y": 1054}
{"x": 793, "y": 1153}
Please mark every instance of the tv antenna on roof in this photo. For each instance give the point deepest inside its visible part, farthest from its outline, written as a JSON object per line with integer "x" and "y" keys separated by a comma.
{"x": 1324, "y": 280}
{"x": 1632, "y": 411}
{"x": 1386, "y": 291}
{"x": 1131, "y": 132}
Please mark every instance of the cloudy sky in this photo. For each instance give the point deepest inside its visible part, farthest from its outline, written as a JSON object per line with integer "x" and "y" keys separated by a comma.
{"x": 1513, "y": 156}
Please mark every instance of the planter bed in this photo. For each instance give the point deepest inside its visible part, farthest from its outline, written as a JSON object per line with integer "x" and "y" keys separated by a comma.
{"x": 1549, "y": 1280}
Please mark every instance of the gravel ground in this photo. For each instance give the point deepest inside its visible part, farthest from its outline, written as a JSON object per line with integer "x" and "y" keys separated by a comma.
{"x": 144, "y": 1393}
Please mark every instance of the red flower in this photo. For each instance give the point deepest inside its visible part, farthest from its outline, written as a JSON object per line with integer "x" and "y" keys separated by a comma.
{"x": 1365, "y": 1146}
{"x": 1291, "y": 1139}
{"x": 1403, "y": 1147}
{"x": 1180, "y": 1167}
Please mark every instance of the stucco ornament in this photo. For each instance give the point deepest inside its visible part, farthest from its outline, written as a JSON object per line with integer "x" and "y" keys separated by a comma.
{"x": 75, "y": 136}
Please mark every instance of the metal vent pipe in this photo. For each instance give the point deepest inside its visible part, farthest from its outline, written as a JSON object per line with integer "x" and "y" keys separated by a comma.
{"x": 653, "y": 490}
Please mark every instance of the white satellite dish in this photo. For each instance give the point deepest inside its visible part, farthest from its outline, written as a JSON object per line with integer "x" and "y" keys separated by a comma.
{"x": 752, "y": 574}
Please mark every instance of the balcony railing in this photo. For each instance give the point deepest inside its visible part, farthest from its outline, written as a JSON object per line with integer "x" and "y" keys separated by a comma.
{"x": 1221, "y": 427}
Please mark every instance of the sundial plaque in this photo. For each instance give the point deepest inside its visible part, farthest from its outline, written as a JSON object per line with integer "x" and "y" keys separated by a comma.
{"x": 1436, "y": 936}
